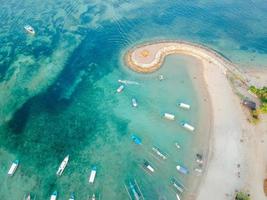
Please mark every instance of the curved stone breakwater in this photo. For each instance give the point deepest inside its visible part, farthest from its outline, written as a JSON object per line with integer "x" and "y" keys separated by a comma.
{"x": 149, "y": 57}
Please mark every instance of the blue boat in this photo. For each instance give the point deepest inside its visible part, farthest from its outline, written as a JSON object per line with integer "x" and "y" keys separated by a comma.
{"x": 136, "y": 139}
{"x": 182, "y": 169}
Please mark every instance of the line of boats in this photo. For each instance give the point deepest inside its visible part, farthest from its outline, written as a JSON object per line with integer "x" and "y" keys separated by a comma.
{"x": 59, "y": 172}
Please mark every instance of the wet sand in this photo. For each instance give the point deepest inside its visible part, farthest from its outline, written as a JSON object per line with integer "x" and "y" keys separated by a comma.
{"x": 235, "y": 144}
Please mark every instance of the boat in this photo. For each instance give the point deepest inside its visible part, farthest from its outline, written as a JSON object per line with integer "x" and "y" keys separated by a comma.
{"x": 27, "y": 197}
{"x": 13, "y": 167}
{"x": 93, "y": 197}
{"x": 169, "y": 116}
{"x": 177, "y": 197}
{"x": 198, "y": 170}
{"x": 159, "y": 153}
{"x": 63, "y": 165}
{"x": 177, "y": 185}
{"x": 199, "y": 158}
{"x": 161, "y": 77}
{"x": 184, "y": 106}
{"x": 177, "y": 145}
{"x": 136, "y": 139}
{"x": 72, "y": 196}
{"x": 120, "y": 89}
{"x": 187, "y": 126}
{"x": 54, "y": 196}
{"x": 148, "y": 166}
{"x": 127, "y": 82}
{"x": 29, "y": 29}
{"x": 182, "y": 169}
{"x": 134, "y": 102}
{"x": 92, "y": 175}
{"x": 134, "y": 191}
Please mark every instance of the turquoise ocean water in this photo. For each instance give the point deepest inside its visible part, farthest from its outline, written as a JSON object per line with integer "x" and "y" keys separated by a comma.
{"x": 58, "y": 91}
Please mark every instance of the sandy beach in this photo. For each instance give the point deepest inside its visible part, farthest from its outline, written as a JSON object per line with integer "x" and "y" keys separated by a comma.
{"x": 236, "y": 158}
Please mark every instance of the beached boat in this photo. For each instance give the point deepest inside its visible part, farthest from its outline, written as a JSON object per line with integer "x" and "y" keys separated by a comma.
{"x": 134, "y": 191}
{"x": 187, "y": 126}
{"x": 72, "y": 196}
{"x": 134, "y": 102}
{"x": 29, "y": 29}
{"x": 159, "y": 153}
{"x": 182, "y": 169}
{"x": 199, "y": 158}
{"x": 169, "y": 116}
{"x": 177, "y": 185}
{"x": 63, "y": 165}
{"x": 148, "y": 166}
{"x": 54, "y": 196}
{"x": 92, "y": 175}
{"x": 120, "y": 89}
{"x": 177, "y": 145}
{"x": 184, "y": 106}
{"x": 13, "y": 167}
{"x": 136, "y": 139}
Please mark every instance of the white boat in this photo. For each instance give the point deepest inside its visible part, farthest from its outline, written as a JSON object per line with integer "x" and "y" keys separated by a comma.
{"x": 161, "y": 154}
{"x": 184, "y": 105}
{"x": 177, "y": 145}
{"x": 127, "y": 82}
{"x": 161, "y": 77}
{"x": 177, "y": 197}
{"x": 13, "y": 167}
{"x": 92, "y": 175}
{"x": 54, "y": 196}
{"x": 120, "y": 89}
{"x": 169, "y": 116}
{"x": 187, "y": 126}
{"x": 72, "y": 196}
{"x": 148, "y": 166}
{"x": 63, "y": 165}
{"x": 29, "y": 29}
{"x": 134, "y": 102}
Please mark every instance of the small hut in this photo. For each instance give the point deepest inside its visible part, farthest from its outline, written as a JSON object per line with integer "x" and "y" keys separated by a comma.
{"x": 249, "y": 104}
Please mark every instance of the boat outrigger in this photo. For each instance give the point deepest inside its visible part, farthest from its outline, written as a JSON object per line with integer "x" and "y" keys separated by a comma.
{"x": 148, "y": 166}
{"x": 159, "y": 153}
{"x": 187, "y": 126}
{"x": 63, "y": 165}
{"x": 177, "y": 185}
{"x": 120, "y": 89}
{"x": 29, "y": 29}
{"x": 134, "y": 191}
{"x": 136, "y": 139}
{"x": 182, "y": 169}
{"x": 13, "y": 168}
{"x": 54, "y": 196}
{"x": 134, "y": 102}
{"x": 92, "y": 175}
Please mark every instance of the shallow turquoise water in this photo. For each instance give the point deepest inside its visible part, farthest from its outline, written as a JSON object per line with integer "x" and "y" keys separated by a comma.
{"x": 61, "y": 88}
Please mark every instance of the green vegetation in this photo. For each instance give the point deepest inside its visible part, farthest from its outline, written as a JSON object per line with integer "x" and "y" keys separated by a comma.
{"x": 242, "y": 196}
{"x": 262, "y": 94}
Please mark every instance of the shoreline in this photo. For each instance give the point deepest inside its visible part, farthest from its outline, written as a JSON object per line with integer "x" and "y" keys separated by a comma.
{"x": 229, "y": 160}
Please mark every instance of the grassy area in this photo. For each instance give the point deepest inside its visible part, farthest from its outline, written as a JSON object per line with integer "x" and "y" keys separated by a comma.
{"x": 262, "y": 94}
{"x": 242, "y": 196}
